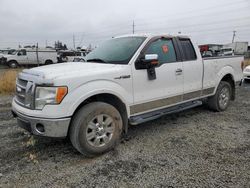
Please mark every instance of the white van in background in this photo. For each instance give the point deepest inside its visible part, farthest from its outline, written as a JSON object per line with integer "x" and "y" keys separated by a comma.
{"x": 30, "y": 56}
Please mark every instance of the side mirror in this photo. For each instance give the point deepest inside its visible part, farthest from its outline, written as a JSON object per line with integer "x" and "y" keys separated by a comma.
{"x": 149, "y": 61}
{"x": 18, "y": 53}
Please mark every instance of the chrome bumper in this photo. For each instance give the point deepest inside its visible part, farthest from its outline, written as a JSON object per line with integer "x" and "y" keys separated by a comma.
{"x": 57, "y": 128}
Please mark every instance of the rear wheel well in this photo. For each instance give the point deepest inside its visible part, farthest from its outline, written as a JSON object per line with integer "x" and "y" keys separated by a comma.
{"x": 229, "y": 78}
{"x": 112, "y": 100}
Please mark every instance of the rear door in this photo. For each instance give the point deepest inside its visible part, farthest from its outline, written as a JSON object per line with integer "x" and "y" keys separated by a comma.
{"x": 192, "y": 69}
{"x": 167, "y": 88}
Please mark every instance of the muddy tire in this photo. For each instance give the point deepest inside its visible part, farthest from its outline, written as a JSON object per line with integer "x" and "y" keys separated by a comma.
{"x": 220, "y": 101}
{"x": 13, "y": 64}
{"x": 95, "y": 129}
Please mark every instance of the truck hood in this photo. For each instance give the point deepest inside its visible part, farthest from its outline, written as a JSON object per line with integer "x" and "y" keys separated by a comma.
{"x": 74, "y": 69}
{"x": 6, "y": 55}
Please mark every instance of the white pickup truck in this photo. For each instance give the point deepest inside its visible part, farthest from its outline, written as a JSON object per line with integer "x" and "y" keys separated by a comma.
{"x": 126, "y": 80}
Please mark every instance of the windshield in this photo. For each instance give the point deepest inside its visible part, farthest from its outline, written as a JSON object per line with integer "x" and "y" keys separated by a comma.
{"x": 13, "y": 52}
{"x": 116, "y": 51}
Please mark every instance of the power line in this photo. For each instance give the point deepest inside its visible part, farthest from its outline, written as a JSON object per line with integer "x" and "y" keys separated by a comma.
{"x": 221, "y": 5}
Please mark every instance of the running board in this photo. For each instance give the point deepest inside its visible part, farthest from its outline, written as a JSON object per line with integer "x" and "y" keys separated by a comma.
{"x": 134, "y": 120}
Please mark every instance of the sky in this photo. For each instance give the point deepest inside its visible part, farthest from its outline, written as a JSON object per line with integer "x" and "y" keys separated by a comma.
{"x": 27, "y": 22}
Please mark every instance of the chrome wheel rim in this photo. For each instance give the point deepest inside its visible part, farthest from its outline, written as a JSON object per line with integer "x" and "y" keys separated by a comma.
{"x": 100, "y": 130}
{"x": 224, "y": 97}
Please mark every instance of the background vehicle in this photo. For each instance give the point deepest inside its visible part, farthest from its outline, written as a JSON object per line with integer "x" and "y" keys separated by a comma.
{"x": 239, "y": 48}
{"x": 78, "y": 59}
{"x": 31, "y": 56}
{"x": 68, "y": 56}
{"x": 207, "y": 54}
{"x": 226, "y": 52}
{"x": 6, "y": 51}
{"x": 246, "y": 73}
{"x": 128, "y": 79}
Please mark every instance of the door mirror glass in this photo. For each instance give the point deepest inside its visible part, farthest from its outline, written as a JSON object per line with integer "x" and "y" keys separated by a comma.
{"x": 151, "y": 57}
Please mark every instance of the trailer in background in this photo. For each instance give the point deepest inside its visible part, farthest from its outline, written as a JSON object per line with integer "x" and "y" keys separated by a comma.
{"x": 239, "y": 48}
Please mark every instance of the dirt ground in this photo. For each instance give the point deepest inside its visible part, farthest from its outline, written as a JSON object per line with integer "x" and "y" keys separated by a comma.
{"x": 195, "y": 148}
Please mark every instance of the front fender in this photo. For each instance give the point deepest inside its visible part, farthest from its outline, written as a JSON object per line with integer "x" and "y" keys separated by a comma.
{"x": 89, "y": 89}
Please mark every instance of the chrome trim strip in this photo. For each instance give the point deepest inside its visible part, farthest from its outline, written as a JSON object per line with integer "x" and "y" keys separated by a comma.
{"x": 208, "y": 91}
{"x": 155, "y": 104}
{"x": 192, "y": 95}
{"x": 143, "y": 107}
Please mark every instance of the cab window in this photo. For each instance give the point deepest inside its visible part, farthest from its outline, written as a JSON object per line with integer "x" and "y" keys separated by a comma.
{"x": 165, "y": 50}
{"x": 188, "y": 50}
{"x": 22, "y": 52}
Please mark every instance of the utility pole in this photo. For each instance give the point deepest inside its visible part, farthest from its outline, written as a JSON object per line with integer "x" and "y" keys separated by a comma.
{"x": 74, "y": 45}
{"x": 37, "y": 58}
{"x": 133, "y": 27}
{"x": 234, "y": 34}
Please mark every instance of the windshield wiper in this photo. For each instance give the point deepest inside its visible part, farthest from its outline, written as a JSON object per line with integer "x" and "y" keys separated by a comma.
{"x": 96, "y": 60}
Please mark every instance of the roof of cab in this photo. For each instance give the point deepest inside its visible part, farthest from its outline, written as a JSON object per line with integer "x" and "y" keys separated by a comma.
{"x": 150, "y": 35}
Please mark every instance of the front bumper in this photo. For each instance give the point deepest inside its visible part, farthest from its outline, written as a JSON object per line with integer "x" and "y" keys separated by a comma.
{"x": 57, "y": 128}
{"x": 246, "y": 75}
{"x": 3, "y": 61}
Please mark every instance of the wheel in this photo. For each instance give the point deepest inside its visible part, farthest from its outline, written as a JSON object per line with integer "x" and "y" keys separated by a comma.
{"x": 48, "y": 62}
{"x": 13, "y": 64}
{"x": 221, "y": 99}
{"x": 95, "y": 129}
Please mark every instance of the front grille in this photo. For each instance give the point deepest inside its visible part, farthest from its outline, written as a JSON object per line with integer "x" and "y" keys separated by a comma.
{"x": 24, "y": 92}
{"x": 3, "y": 60}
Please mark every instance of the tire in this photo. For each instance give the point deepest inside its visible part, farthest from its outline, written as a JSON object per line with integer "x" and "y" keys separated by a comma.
{"x": 48, "y": 62}
{"x": 87, "y": 133}
{"x": 220, "y": 101}
{"x": 13, "y": 64}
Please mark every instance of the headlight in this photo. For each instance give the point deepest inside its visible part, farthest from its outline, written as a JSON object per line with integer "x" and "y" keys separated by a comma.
{"x": 49, "y": 95}
{"x": 247, "y": 70}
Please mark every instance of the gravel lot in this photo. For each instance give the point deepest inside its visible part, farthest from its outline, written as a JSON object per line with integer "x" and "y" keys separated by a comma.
{"x": 195, "y": 148}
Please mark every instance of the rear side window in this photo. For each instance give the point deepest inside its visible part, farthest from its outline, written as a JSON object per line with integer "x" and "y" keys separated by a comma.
{"x": 188, "y": 50}
{"x": 165, "y": 50}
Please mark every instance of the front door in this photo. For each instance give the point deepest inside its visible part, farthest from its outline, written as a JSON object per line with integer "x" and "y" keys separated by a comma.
{"x": 22, "y": 57}
{"x": 167, "y": 88}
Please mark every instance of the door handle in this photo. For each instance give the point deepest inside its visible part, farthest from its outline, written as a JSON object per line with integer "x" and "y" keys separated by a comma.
{"x": 178, "y": 71}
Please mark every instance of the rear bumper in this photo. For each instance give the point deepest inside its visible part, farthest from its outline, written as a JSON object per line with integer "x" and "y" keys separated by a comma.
{"x": 57, "y": 128}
